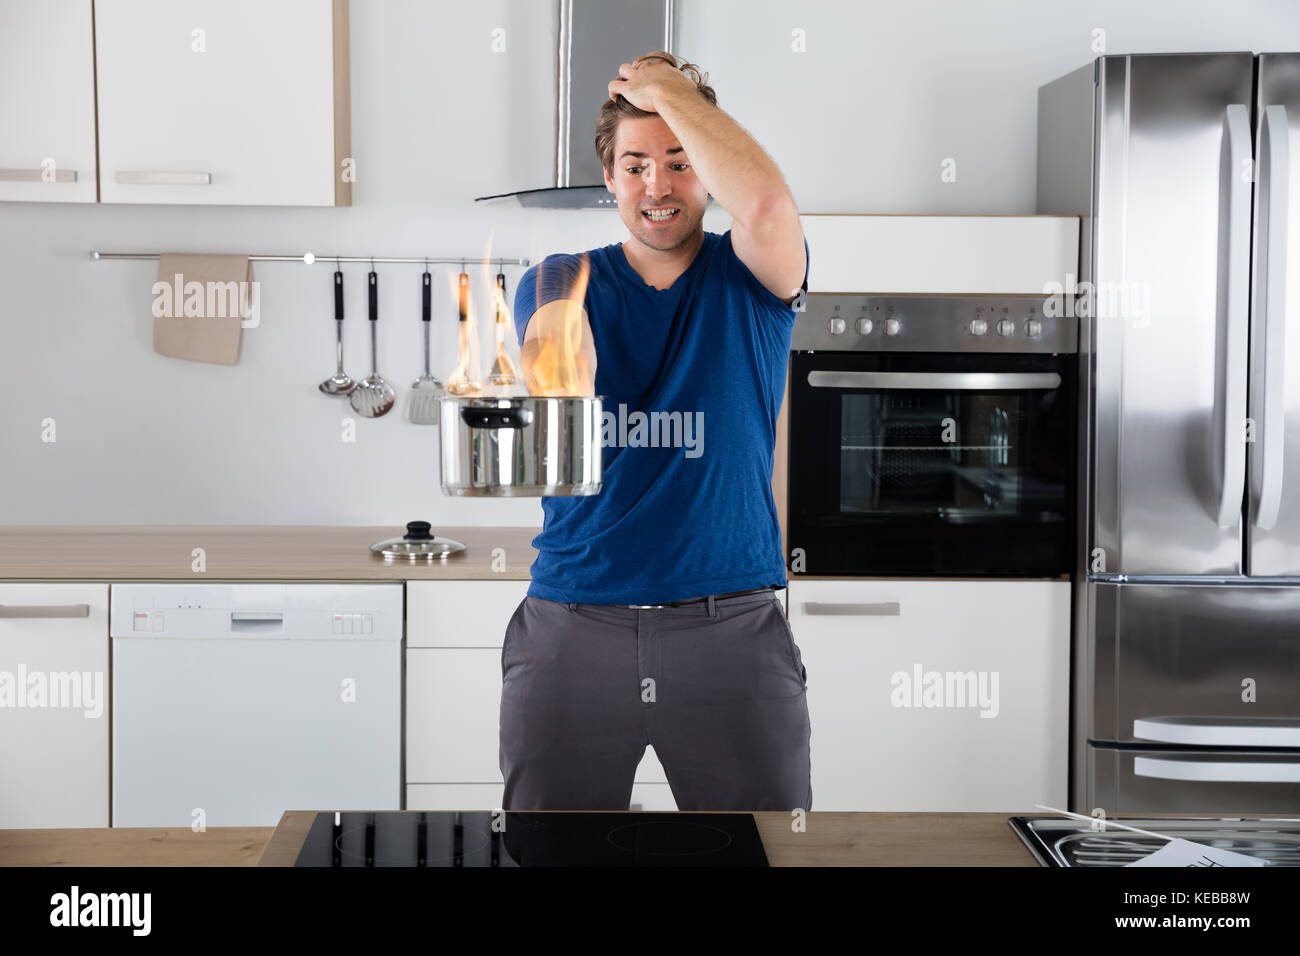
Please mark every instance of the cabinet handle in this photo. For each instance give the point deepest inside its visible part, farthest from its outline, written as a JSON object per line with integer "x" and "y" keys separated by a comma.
{"x": 44, "y": 610}
{"x": 34, "y": 175}
{"x": 164, "y": 179}
{"x": 882, "y": 609}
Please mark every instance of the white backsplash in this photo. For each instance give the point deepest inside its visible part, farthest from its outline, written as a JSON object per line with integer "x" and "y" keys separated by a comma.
{"x": 859, "y": 123}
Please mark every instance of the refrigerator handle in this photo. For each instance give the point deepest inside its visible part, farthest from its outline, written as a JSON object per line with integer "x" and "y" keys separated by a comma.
{"x": 1274, "y": 175}
{"x": 1236, "y": 272}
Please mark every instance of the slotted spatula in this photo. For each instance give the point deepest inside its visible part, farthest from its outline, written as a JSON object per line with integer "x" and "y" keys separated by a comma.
{"x": 422, "y": 400}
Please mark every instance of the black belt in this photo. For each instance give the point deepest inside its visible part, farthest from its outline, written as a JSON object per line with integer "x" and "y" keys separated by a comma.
{"x": 701, "y": 600}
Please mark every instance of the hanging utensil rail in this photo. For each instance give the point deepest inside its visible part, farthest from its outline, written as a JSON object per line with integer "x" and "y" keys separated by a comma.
{"x": 310, "y": 258}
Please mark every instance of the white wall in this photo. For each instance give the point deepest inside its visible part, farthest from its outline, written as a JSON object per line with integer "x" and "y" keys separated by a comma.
{"x": 859, "y": 123}
{"x": 887, "y": 90}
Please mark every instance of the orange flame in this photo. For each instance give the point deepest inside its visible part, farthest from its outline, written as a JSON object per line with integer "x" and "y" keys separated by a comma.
{"x": 464, "y": 378}
{"x": 504, "y": 377}
{"x": 560, "y": 367}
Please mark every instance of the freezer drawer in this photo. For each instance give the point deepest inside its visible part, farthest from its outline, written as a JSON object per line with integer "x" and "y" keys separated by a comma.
{"x": 1196, "y": 664}
{"x": 1193, "y": 781}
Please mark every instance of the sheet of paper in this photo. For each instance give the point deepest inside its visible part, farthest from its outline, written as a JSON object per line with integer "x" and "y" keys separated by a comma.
{"x": 1186, "y": 853}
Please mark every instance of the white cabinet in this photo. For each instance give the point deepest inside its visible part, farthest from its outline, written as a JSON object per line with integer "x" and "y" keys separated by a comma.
{"x": 454, "y": 635}
{"x": 47, "y": 101}
{"x": 935, "y": 695}
{"x": 54, "y": 709}
{"x": 234, "y": 102}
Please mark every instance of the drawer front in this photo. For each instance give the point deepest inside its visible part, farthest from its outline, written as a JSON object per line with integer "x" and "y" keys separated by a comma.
{"x": 1226, "y": 658}
{"x": 1215, "y": 783}
{"x": 460, "y": 613}
{"x": 453, "y": 708}
{"x": 935, "y": 695}
{"x": 54, "y": 748}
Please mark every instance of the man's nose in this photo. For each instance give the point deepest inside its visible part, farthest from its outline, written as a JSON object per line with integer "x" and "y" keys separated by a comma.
{"x": 656, "y": 183}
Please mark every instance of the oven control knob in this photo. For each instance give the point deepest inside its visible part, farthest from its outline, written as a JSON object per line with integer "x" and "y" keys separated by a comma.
{"x": 978, "y": 327}
{"x": 1006, "y": 327}
{"x": 893, "y": 326}
{"x": 1033, "y": 328}
{"x": 837, "y": 326}
{"x": 865, "y": 326}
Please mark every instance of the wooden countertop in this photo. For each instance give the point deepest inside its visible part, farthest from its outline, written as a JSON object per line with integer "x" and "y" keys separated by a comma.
{"x": 831, "y": 839}
{"x": 256, "y": 552}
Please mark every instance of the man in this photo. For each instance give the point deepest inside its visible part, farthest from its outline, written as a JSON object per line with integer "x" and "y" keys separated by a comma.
{"x": 651, "y": 617}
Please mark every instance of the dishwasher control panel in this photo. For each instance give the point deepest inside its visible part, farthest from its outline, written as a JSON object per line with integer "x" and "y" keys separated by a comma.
{"x": 236, "y": 610}
{"x": 354, "y": 623}
{"x": 147, "y": 620}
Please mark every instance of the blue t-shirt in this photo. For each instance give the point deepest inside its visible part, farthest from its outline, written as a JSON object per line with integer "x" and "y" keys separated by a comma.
{"x": 691, "y": 379}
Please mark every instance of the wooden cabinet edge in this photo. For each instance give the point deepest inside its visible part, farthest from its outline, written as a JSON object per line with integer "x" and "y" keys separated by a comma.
{"x": 342, "y": 103}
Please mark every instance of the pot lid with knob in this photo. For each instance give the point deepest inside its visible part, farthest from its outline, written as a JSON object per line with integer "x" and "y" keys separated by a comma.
{"x": 418, "y": 542}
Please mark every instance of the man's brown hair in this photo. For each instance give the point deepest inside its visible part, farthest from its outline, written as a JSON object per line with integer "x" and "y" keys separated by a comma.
{"x": 616, "y": 109}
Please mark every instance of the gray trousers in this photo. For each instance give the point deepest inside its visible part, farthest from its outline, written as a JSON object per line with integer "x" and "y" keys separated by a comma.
{"x": 717, "y": 688}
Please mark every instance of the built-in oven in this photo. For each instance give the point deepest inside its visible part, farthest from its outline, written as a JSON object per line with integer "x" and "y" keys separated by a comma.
{"x": 931, "y": 436}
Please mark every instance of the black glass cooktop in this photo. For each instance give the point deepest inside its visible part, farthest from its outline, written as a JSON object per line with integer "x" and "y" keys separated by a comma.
{"x": 480, "y": 838}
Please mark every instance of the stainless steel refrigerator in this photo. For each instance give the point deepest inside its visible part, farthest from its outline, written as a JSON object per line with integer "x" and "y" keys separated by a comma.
{"x": 1185, "y": 169}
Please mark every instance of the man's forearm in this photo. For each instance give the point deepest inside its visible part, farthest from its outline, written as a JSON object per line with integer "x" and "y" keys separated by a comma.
{"x": 733, "y": 167}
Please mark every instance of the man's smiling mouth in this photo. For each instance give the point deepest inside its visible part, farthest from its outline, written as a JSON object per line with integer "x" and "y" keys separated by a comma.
{"x": 660, "y": 215}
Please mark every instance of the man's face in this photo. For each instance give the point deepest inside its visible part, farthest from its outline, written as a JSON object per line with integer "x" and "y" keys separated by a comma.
{"x": 651, "y": 172}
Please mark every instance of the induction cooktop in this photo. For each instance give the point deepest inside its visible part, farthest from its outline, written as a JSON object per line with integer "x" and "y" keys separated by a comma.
{"x": 509, "y": 838}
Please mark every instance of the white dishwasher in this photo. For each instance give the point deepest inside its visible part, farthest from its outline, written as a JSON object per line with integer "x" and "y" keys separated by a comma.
{"x": 235, "y": 702}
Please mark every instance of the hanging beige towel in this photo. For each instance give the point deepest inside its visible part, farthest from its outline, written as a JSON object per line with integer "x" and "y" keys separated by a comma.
{"x": 201, "y": 322}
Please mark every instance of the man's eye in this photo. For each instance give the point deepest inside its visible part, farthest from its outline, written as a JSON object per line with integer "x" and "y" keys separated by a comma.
{"x": 636, "y": 170}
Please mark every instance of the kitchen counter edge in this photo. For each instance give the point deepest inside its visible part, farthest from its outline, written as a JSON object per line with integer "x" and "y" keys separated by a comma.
{"x": 281, "y": 553}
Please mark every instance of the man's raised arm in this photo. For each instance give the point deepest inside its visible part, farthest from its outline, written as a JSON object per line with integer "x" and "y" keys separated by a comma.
{"x": 766, "y": 234}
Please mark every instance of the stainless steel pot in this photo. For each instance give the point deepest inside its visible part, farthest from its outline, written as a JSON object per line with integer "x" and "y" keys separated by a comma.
{"x": 530, "y": 446}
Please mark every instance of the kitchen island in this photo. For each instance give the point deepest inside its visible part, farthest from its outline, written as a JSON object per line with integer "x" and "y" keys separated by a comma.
{"x": 830, "y": 839}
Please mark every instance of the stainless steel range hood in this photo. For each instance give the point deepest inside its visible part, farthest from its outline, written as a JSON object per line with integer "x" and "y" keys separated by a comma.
{"x": 595, "y": 36}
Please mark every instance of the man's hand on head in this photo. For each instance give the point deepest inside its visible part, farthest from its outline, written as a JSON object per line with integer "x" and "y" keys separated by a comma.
{"x": 643, "y": 84}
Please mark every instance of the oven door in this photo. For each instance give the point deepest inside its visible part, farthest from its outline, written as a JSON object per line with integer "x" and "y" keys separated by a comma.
{"x": 931, "y": 464}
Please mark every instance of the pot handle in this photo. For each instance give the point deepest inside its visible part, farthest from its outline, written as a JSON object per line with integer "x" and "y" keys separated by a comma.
{"x": 496, "y": 417}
